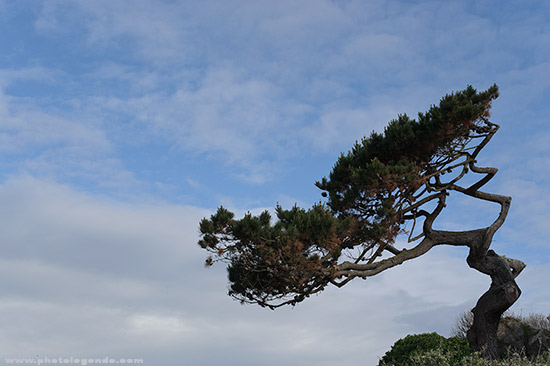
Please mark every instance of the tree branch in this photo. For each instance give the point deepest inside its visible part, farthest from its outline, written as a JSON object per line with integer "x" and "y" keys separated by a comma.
{"x": 351, "y": 270}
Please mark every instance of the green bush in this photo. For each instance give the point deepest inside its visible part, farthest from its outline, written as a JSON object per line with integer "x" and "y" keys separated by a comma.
{"x": 440, "y": 358}
{"x": 404, "y": 350}
{"x": 431, "y": 349}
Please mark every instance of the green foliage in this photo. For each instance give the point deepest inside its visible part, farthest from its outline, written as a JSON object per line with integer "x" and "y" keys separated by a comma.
{"x": 380, "y": 175}
{"x": 431, "y": 349}
{"x": 438, "y": 357}
{"x": 370, "y": 189}
{"x": 404, "y": 351}
{"x": 291, "y": 259}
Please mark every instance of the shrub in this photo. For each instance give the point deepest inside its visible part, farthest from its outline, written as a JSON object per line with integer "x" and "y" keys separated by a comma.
{"x": 403, "y": 351}
{"x": 527, "y": 340}
{"x": 465, "y": 319}
{"x": 439, "y": 358}
{"x": 538, "y": 321}
{"x": 462, "y": 324}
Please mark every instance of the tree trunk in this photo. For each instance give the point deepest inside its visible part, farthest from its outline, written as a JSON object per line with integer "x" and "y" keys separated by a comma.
{"x": 502, "y": 294}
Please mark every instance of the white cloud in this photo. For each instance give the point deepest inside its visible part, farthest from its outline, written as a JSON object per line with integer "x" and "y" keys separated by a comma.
{"x": 44, "y": 140}
{"x": 253, "y": 86}
{"x": 250, "y": 75}
{"x": 526, "y": 228}
{"x": 127, "y": 280}
{"x": 228, "y": 116}
{"x": 77, "y": 231}
{"x": 164, "y": 327}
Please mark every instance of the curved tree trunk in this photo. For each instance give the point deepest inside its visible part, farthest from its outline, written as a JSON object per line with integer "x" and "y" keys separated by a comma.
{"x": 503, "y": 291}
{"x": 488, "y": 311}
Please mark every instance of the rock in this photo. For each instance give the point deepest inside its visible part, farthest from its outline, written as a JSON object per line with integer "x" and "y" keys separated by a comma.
{"x": 516, "y": 337}
{"x": 537, "y": 344}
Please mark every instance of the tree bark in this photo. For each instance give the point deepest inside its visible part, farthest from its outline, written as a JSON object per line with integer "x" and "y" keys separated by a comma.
{"x": 488, "y": 311}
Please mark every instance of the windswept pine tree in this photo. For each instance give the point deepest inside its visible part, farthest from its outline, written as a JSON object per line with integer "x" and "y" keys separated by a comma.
{"x": 387, "y": 180}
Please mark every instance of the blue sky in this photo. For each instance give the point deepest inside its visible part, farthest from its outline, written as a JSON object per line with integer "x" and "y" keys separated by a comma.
{"x": 123, "y": 123}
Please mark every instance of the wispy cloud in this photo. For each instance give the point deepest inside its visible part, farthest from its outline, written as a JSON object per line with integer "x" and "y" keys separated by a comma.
{"x": 107, "y": 108}
{"x": 246, "y": 83}
{"x": 130, "y": 278}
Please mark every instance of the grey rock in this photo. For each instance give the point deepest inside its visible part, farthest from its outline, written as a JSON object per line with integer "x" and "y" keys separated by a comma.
{"x": 516, "y": 337}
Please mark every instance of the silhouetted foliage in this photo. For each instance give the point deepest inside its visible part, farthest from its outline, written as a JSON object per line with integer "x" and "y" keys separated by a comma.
{"x": 386, "y": 180}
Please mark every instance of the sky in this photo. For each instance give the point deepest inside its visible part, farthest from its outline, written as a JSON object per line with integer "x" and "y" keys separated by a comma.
{"x": 123, "y": 123}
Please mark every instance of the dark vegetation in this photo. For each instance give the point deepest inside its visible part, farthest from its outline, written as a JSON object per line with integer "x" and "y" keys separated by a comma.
{"x": 517, "y": 339}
